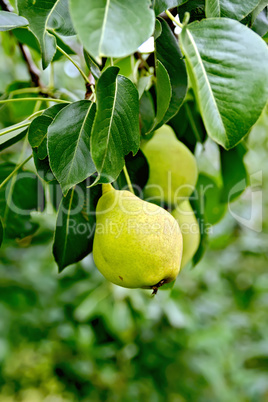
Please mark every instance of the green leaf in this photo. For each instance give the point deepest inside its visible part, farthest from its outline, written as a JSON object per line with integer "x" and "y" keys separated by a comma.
{"x": 234, "y": 173}
{"x": 261, "y": 5}
{"x": 116, "y": 127}
{"x": 162, "y": 5}
{"x": 260, "y": 25}
{"x": 147, "y": 113}
{"x": 188, "y": 125}
{"x": 163, "y": 94}
{"x": 60, "y": 20}
{"x": 210, "y": 192}
{"x": 112, "y": 28}
{"x": 92, "y": 65}
{"x": 75, "y": 225}
{"x": 43, "y": 168}
{"x": 25, "y": 36}
{"x": 12, "y": 138}
{"x": 37, "y": 135}
{"x": 69, "y": 144}
{"x": 10, "y": 21}
{"x": 230, "y": 8}
{"x": 1, "y": 232}
{"x": 169, "y": 54}
{"x": 228, "y": 67}
{"x": 198, "y": 208}
{"x": 196, "y": 8}
{"x": 38, "y": 14}
{"x": 21, "y": 195}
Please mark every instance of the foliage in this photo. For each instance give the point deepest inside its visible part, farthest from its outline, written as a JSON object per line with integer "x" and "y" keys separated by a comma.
{"x": 78, "y": 96}
{"x": 202, "y": 83}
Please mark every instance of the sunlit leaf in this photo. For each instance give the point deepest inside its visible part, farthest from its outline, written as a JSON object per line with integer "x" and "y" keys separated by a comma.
{"x": 111, "y": 28}
{"x": 226, "y": 77}
{"x": 10, "y": 21}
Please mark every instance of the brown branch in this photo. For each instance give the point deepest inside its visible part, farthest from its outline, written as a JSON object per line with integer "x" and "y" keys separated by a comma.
{"x": 32, "y": 69}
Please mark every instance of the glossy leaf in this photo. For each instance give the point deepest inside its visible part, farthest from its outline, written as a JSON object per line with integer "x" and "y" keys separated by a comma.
{"x": 116, "y": 127}
{"x": 230, "y": 8}
{"x": 163, "y": 95}
{"x": 162, "y": 5}
{"x": 9, "y": 21}
{"x": 234, "y": 173}
{"x": 75, "y": 225}
{"x": 169, "y": 54}
{"x": 111, "y": 28}
{"x": 69, "y": 144}
{"x": 60, "y": 20}
{"x": 225, "y": 79}
{"x": 37, "y": 135}
{"x": 38, "y": 14}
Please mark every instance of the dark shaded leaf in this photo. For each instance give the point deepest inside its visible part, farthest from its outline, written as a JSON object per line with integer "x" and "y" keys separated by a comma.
{"x": 162, "y": 5}
{"x": 21, "y": 195}
{"x": 37, "y": 135}
{"x": 168, "y": 52}
{"x": 138, "y": 170}
{"x": 1, "y": 232}
{"x": 75, "y": 225}
{"x": 15, "y": 137}
{"x": 147, "y": 113}
{"x": 92, "y": 65}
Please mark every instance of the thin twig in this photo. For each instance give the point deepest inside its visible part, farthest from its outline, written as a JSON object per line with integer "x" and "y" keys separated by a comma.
{"x": 128, "y": 179}
{"x": 14, "y": 171}
{"x": 34, "y": 99}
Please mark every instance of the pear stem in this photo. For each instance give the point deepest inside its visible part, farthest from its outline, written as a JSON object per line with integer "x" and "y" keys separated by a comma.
{"x": 128, "y": 179}
{"x": 106, "y": 188}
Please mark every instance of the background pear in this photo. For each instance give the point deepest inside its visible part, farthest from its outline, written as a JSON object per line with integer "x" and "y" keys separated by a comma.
{"x": 189, "y": 227}
{"x": 172, "y": 165}
{"x": 137, "y": 244}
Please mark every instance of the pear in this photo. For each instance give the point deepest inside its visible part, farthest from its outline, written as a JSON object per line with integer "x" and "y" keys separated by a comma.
{"x": 173, "y": 169}
{"x": 136, "y": 244}
{"x": 189, "y": 227}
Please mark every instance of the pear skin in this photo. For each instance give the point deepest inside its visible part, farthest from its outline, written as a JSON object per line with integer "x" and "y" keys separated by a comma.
{"x": 136, "y": 244}
{"x": 189, "y": 227}
{"x": 173, "y": 169}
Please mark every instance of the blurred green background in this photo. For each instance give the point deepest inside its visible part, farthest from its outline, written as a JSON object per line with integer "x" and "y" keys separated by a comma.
{"x": 76, "y": 337}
